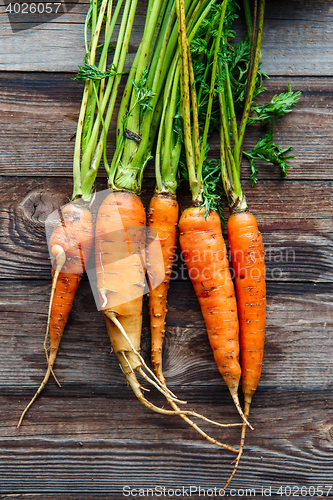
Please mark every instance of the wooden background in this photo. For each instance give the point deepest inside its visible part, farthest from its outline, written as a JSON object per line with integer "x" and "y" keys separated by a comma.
{"x": 92, "y": 437}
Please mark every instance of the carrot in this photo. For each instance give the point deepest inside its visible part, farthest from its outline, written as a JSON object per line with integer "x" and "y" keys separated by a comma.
{"x": 200, "y": 230}
{"x": 136, "y": 128}
{"x": 163, "y": 217}
{"x": 247, "y": 255}
{"x": 205, "y": 254}
{"x": 70, "y": 244}
{"x": 246, "y": 245}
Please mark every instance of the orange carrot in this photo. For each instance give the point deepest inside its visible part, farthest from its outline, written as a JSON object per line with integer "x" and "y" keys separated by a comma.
{"x": 70, "y": 243}
{"x": 206, "y": 259}
{"x": 163, "y": 217}
{"x": 247, "y": 251}
{"x": 247, "y": 255}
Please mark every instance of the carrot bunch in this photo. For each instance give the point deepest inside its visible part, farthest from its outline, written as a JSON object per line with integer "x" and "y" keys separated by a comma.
{"x": 72, "y": 239}
{"x": 235, "y": 319}
{"x": 121, "y": 222}
{"x": 185, "y": 80}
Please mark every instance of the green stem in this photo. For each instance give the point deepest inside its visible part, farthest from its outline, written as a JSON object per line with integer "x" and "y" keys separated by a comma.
{"x": 166, "y": 163}
{"x": 124, "y": 105}
{"x": 232, "y": 169}
{"x": 157, "y": 74}
{"x": 133, "y": 121}
{"x": 90, "y": 176}
{"x": 185, "y": 100}
{"x": 118, "y": 61}
{"x": 77, "y": 191}
{"x": 172, "y": 145}
{"x": 248, "y": 17}
{"x": 168, "y": 51}
{"x": 162, "y": 43}
{"x": 232, "y": 117}
{"x": 224, "y": 168}
{"x": 131, "y": 155}
{"x": 211, "y": 94}
{"x": 252, "y": 77}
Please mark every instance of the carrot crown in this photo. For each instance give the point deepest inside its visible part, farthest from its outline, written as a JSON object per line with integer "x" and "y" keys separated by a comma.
{"x": 197, "y": 91}
{"x": 150, "y": 99}
{"x": 101, "y": 87}
{"x": 240, "y": 81}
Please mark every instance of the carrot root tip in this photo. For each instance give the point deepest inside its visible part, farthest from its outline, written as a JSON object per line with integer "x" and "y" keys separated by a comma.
{"x": 156, "y": 382}
{"x": 240, "y": 411}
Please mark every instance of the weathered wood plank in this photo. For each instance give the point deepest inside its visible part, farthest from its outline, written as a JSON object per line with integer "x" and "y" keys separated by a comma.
{"x": 90, "y": 448}
{"x": 61, "y": 39}
{"x": 64, "y": 496}
{"x": 297, "y": 40}
{"x": 92, "y": 437}
{"x": 295, "y": 219}
{"x": 40, "y": 111}
{"x": 99, "y": 496}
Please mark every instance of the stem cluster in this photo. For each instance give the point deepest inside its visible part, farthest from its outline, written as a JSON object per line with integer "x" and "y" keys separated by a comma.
{"x": 99, "y": 95}
{"x": 231, "y": 136}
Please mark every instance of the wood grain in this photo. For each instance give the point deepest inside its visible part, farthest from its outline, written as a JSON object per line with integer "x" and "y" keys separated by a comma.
{"x": 297, "y": 40}
{"x": 85, "y": 353}
{"x": 61, "y": 40}
{"x": 95, "y": 450}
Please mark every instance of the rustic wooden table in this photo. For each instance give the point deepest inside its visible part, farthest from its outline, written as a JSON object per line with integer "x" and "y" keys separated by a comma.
{"x": 92, "y": 438}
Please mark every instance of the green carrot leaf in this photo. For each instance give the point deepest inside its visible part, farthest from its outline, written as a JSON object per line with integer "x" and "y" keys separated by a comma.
{"x": 212, "y": 187}
{"x": 273, "y": 111}
{"x": 267, "y": 150}
{"x": 92, "y": 72}
{"x": 239, "y": 62}
{"x": 143, "y": 94}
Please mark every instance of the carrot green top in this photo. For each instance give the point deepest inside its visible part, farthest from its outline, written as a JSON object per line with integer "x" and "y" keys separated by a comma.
{"x": 150, "y": 99}
{"x": 219, "y": 79}
{"x": 101, "y": 87}
{"x": 232, "y": 134}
